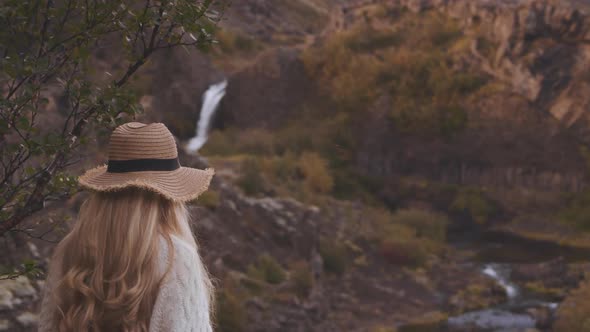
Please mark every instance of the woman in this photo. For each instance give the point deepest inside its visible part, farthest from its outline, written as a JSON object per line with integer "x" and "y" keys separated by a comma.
{"x": 131, "y": 263}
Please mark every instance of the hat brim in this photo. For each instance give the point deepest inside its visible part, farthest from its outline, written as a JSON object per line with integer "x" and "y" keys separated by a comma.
{"x": 183, "y": 184}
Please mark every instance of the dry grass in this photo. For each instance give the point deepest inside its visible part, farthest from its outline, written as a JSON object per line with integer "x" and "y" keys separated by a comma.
{"x": 573, "y": 312}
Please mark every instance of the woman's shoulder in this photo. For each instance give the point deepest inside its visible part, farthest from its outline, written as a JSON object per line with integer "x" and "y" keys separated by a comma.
{"x": 182, "y": 246}
{"x": 182, "y": 303}
{"x": 184, "y": 254}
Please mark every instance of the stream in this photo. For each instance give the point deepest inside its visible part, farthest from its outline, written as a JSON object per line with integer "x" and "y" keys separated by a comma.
{"x": 509, "y": 316}
{"x": 496, "y": 255}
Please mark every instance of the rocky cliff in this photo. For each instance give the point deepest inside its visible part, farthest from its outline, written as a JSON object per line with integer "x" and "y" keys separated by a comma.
{"x": 529, "y": 134}
{"x": 541, "y": 48}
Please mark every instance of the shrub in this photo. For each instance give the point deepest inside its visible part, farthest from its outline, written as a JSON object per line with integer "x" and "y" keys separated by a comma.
{"x": 347, "y": 77}
{"x": 431, "y": 30}
{"x": 409, "y": 237}
{"x": 255, "y": 141}
{"x": 475, "y": 204}
{"x": 232, "y": 41}
{"x": 219, "y": 142}
{"x": 302, "y": 279}
{"x": 452, "y": 119}
{"x": 428, "y": 322}
{"x": 316, "y": 173}
{"x": 577, "y": 211}
{"x": 295, "y": 137}
{"x": 209, "y": 199}
{"x": 233, "y": 141}
{"x": 347, "y": 185}
{"x": 230, "y": 314}
{"x": 384, "y": 329}
{"x": 251, "y": 180}
{"x": 281, "y": 168}
{"x": 254, "y": 286}
{"x": 487, "y": 48}
{"x": 267, "y": 269}
{"x": 369, "y": 40}
{"x": 334, "y": 255}
{"x": 444, "y": 34}
{"x": 426, "y": 224}
{"x": 405, "y": 252}
{"x": 428, "y": 93}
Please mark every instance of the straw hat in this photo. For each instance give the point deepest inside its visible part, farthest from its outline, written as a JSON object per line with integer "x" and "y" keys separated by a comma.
{"x": 145, "y": 155}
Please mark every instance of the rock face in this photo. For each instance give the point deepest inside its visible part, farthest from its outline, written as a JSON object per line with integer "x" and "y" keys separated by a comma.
{"x": 268, "y": 93}
{"x": 542, "y": 48}
{"x": 270, "y": 21}
{"x": 17, "y": 299}
{"x": 529, "y": 136}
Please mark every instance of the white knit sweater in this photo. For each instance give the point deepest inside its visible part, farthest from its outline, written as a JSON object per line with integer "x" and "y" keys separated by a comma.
{"x": 181, "y": 305}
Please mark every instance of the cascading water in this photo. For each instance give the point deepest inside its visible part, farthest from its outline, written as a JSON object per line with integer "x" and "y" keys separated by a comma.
{"x": 500, "y": 274}
{"x": 211, "y": 100}
{"x": 510, "y": 316}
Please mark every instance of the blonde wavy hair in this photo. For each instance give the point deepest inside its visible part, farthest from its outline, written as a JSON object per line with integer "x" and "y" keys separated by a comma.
{"x": 109, "y": 270}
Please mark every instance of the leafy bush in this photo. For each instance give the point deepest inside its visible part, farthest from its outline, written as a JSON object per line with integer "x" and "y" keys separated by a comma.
{"x": 255, "y": 141}
{"x": 282, "y": 168}
{"x": 577, "y": 211}
{"x": 209, "y": 199}
{"x": 370, "y": 40}
{"x": 267, "y": 269}
{"x": 407, "y": 237}
{"x": 253, "y": 286}
{"x": 444, "y": 34}
{"x": 398, "y": 245}
{"x": 486, "y": 47}
{"x": 230, "y": 314}
{"x": 474, "y": 204}
{"x": 315, "y": 172}
{"x": 296, "y": 137}
{"x": 220, "y": 143}
{"x": 251, "y": 180}
{"x": 384, "y": 329}
{"x": 428, "y": 93}
{"x": 430, "y": 30}
{"x": 234, "y": 141}
{"x": 230, "y": 42}
{"x": 405, "y": 252}
{"x": 349, "y": 185}
{"x": 428, "y": 322}
{"x": 427, "y": 119}
{"x": 54, "y": 101}
{"x": 348, "y": 78}
{"x": 302, "y": 279}
{"x": 334, "y": 255}
{"x": 425, "y": 224}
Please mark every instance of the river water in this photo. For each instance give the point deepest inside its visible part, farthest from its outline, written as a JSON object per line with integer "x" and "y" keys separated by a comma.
{"x": 496, "y": 255}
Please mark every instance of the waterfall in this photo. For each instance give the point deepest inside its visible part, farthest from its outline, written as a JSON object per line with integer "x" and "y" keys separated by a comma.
{"x": 211, "y": 100}
{"x": 500, "y": 274}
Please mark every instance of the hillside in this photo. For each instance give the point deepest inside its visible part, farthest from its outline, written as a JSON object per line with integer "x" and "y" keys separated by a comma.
{"x": 369, "y": 155}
